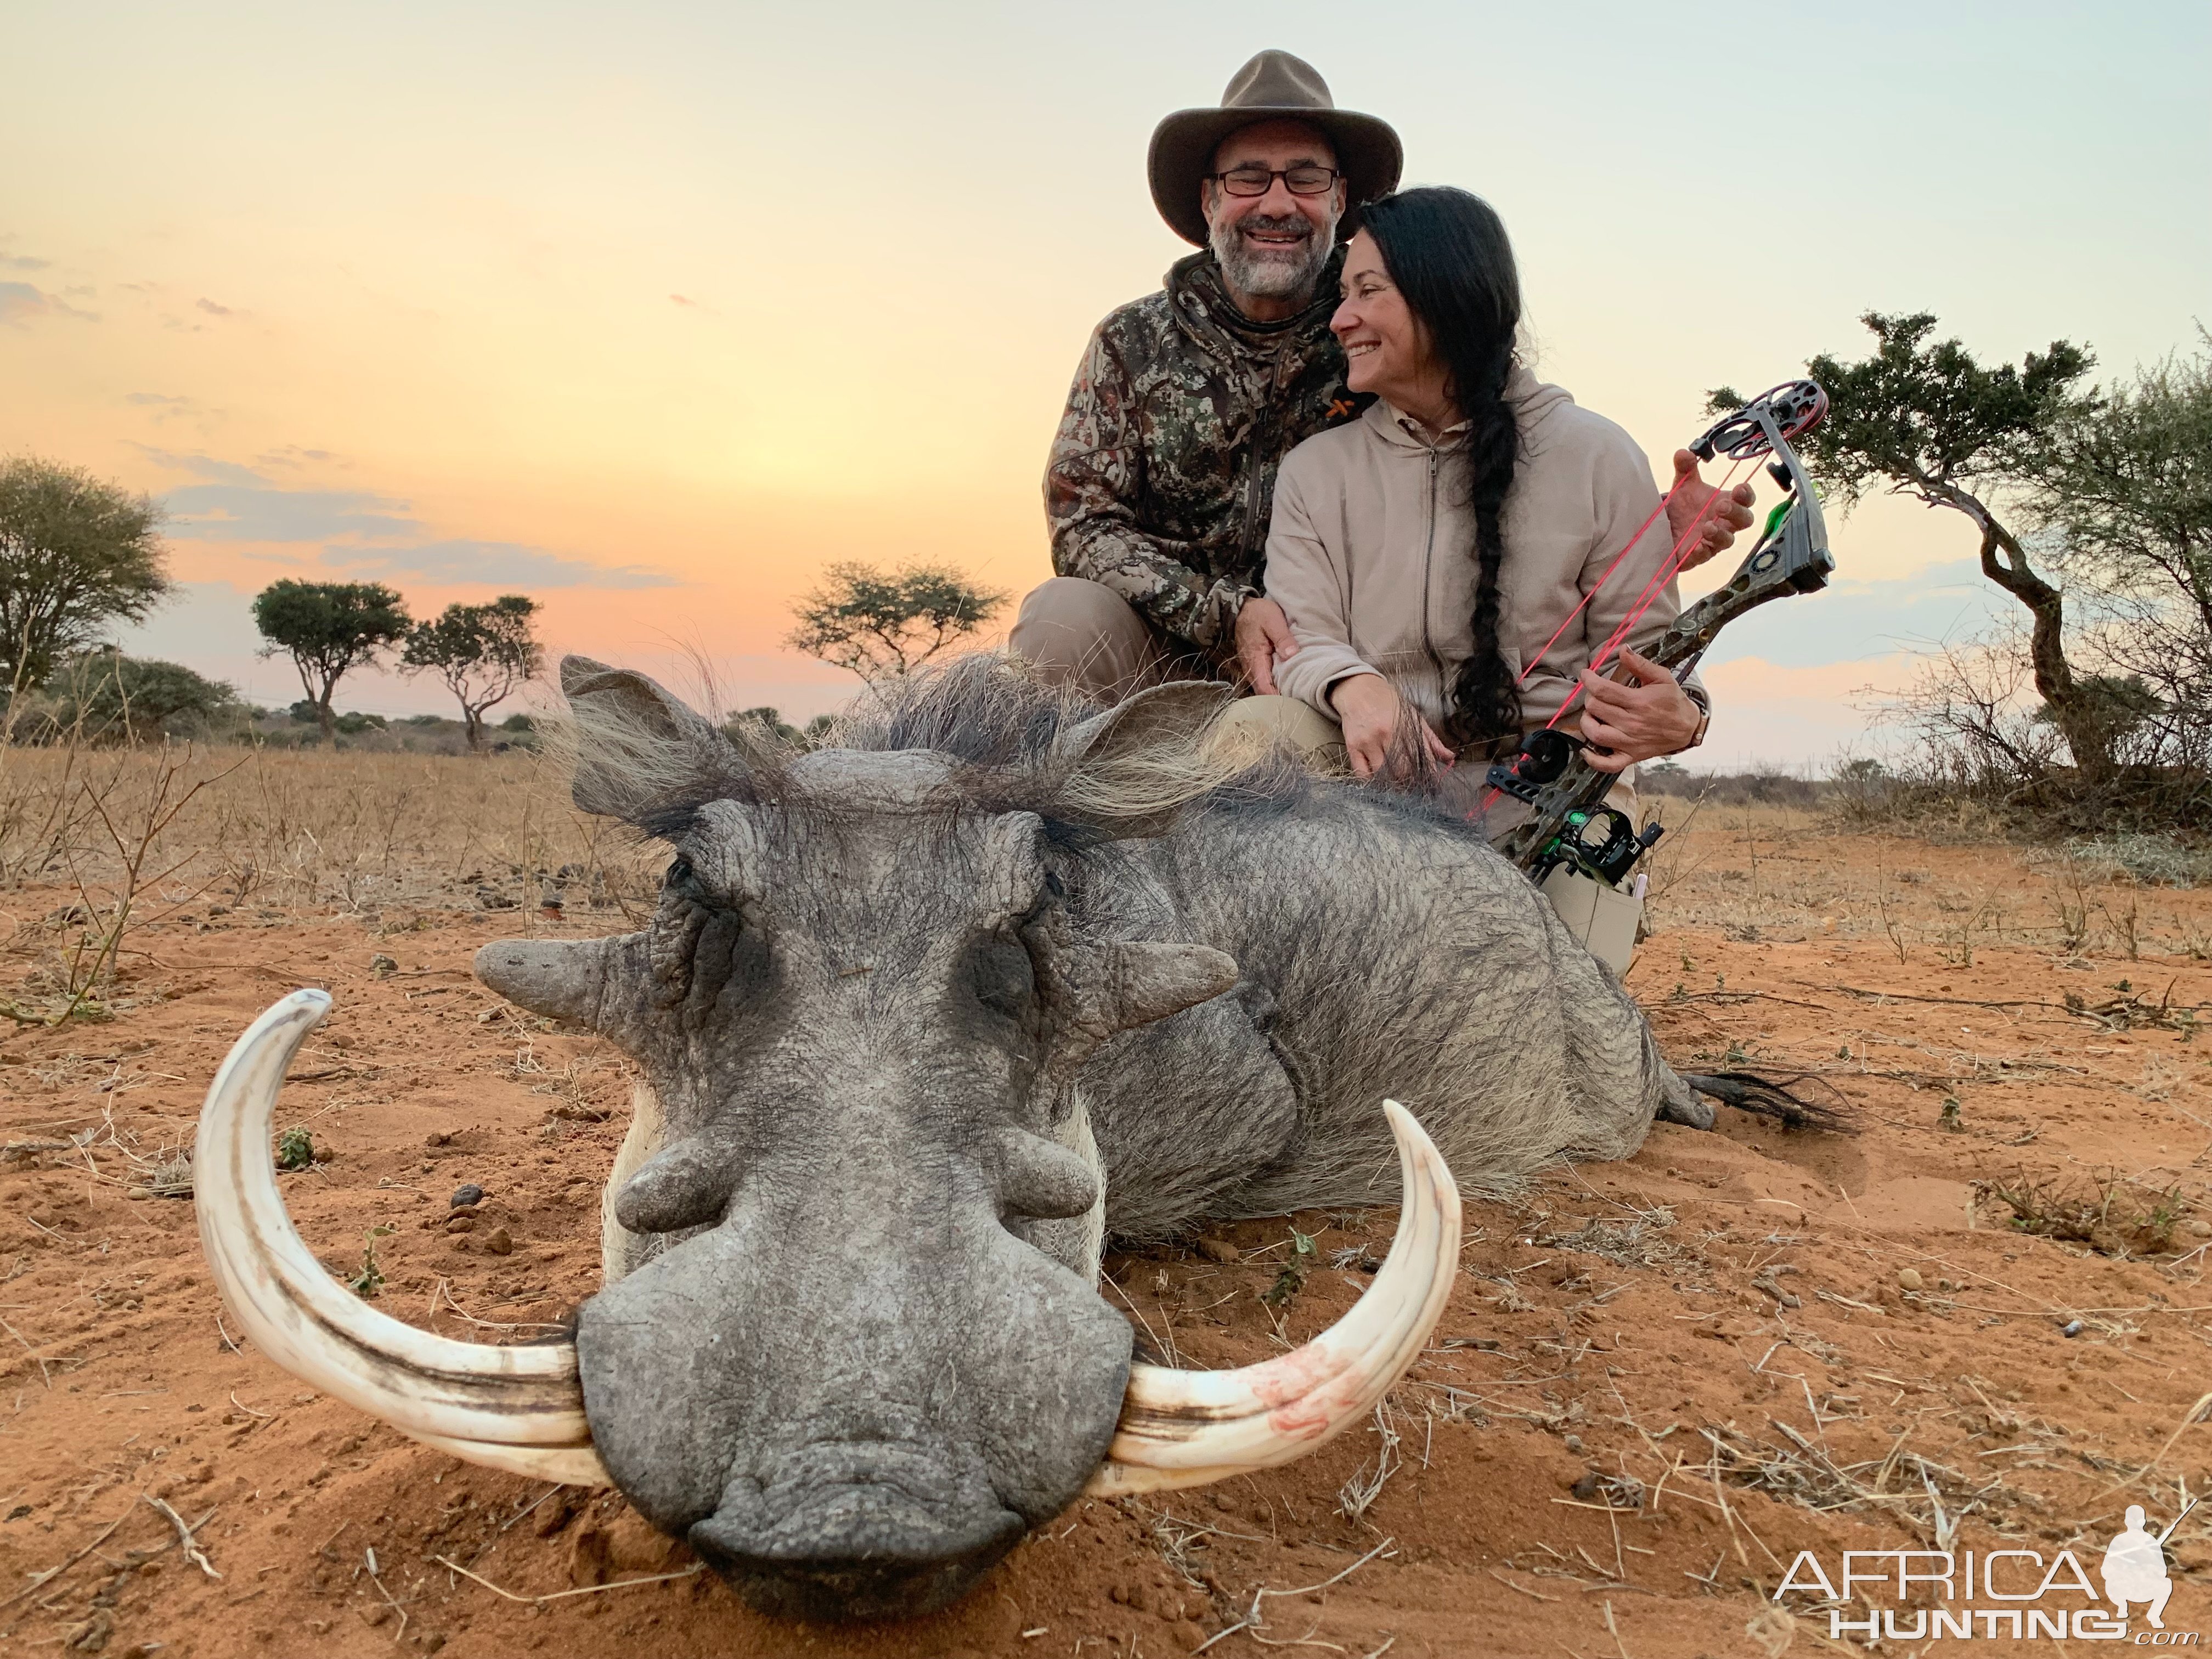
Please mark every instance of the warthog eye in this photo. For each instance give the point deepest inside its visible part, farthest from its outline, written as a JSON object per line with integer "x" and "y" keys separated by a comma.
{"x": 700, "y": 946}
{"x": 999, "y": 974}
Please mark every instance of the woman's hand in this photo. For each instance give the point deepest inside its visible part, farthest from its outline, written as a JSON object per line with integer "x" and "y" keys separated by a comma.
{"x": 1691, "y": 507}
{"x": 1368, "y": 708}
{"x": 1636, "y": 722}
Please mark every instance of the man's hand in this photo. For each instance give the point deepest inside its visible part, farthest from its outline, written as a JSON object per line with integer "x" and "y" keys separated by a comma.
{"x": 1368, "y": 707}
{"x": 1636, "y": 721}
{"x": 1716, "y": 533}
{"x": 1263, "y": 639}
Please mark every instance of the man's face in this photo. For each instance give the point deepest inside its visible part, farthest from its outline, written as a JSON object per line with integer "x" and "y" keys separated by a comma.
{"x": 1274, "y": 246}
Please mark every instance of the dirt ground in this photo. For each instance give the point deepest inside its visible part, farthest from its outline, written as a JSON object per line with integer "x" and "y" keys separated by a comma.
{"x": 1656, "y": 1382}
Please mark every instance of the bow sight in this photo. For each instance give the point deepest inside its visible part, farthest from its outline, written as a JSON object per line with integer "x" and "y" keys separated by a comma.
{"x": 1568, "y": 826}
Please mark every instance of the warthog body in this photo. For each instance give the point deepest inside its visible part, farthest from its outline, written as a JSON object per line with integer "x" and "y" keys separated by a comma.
{"x": 925, "y": 1016}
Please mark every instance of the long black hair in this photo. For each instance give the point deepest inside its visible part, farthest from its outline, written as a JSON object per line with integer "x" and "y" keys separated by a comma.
{"x": 1449, "y": 254}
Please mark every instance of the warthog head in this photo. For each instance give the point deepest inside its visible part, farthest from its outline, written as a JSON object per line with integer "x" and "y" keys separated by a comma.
{"x": 851, "y": 1346}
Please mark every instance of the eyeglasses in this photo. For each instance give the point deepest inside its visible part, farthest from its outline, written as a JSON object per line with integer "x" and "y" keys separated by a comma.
{"x": 1258, "y": 180}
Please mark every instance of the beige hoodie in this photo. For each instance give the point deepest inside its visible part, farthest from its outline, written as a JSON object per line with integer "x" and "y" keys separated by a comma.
{"x": 1372, "y": 554}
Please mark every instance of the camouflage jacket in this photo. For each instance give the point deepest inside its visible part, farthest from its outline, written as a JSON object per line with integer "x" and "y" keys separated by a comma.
{"x": 1163, "y": 471}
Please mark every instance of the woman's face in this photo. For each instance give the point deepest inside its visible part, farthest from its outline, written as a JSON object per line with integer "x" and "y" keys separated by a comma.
{"x": 1386, "y": 349}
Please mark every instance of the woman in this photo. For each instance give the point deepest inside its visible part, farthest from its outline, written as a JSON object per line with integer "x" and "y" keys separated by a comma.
{"x": 1431, "y": 555}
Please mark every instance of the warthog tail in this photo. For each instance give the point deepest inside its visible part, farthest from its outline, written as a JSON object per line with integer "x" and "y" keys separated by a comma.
{"x": 1747, "y": 1091}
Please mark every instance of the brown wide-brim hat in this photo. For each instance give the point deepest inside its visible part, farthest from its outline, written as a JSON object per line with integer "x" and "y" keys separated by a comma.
{"x": 1273, "y": 86}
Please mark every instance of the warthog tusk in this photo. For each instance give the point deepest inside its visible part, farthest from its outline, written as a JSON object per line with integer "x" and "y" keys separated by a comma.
{"x": 519, "y": 1409}
{"x": 1182, "y": 1428}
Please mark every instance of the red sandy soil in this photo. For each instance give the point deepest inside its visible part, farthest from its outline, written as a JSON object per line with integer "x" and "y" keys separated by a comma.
{"x": 1657, "y": 1380}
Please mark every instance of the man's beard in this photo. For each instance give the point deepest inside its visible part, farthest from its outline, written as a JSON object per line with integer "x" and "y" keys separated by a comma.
{"x": 1285, "y": 273}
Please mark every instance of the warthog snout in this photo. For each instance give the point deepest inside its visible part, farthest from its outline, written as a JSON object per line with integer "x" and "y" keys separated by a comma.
{"x": 739, "y": 1393}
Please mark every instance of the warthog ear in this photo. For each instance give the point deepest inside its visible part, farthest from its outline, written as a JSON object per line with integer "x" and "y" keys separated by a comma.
{"x": 640, "y": 749}
{"x": 1161, "y": 717}
{"x": 1131, "y": 768}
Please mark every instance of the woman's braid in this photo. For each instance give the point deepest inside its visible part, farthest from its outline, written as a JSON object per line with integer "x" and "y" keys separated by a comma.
{"x": 1486, "y": 702}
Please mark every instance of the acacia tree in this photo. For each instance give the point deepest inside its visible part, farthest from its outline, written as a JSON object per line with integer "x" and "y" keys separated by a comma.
{"x": 75, "y": 554}
{"x": 2122, "y": 489}
{"x": 875, "y": 622}
{"x": 1930, "y": 421}
{"x": 328, "y": 630}
{"x": 483, "y": 653}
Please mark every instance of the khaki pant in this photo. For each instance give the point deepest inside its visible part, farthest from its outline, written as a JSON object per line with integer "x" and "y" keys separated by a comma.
{"x": 1080, "y": 632}
{"x": 1255, "y": 724}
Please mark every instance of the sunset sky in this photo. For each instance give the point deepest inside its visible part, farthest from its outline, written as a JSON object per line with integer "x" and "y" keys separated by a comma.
{"x": 651, "y": 311}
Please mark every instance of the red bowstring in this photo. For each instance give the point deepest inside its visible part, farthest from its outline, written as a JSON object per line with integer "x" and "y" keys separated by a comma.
{"x": 1669, "y": 568}
{"x": 1598, "y": 587}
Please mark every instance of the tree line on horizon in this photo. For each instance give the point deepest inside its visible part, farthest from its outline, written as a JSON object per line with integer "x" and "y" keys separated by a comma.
{"x": 79, "y": 555}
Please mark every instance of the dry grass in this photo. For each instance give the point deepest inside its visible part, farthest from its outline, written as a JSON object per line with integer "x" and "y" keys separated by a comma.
{"x": 2108, "y": 1212}
{"x": 176, "y": 833}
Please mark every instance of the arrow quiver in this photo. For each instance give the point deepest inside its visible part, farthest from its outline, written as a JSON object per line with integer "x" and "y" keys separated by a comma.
{"x": 1569, "y": 826}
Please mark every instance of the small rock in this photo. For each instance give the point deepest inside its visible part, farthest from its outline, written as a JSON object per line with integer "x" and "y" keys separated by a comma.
{"x": 379, "y": 965}
{"x": 461, "y": 1224}
{"x": 438, "y": 1138}
{"x": 2198, "y": 1228}
{"x": 1219, "y": 1250}
{"x": 1573, "y": 1443}
{"x": 140, "y": 1191}
{"x": 1909, "y": 1277}
{"x": 1586, "y": 1488}
{"x": 498, "y": 1241}
{"x": 2072, "y": 1327}
{"x": 471, "y": 1194}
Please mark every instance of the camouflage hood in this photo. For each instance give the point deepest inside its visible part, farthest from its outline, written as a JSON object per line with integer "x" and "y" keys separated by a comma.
{"x": 1163, "y": 474}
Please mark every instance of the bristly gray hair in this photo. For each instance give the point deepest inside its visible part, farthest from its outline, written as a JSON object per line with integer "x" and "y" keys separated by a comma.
{"x": 1013, "y": 742}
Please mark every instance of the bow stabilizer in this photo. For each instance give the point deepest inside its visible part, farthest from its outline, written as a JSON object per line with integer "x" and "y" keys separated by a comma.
{"x": 1567, "y": 824}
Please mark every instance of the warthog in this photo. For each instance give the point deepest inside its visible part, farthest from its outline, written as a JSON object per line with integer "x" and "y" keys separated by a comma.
{"x": 923, "y": 1018}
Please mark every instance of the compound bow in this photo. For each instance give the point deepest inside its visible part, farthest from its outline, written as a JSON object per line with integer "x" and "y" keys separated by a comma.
{"x": 1567, "y": 824}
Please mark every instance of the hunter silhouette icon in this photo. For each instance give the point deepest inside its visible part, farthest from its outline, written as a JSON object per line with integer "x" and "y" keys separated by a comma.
{"x": 2134, "y": 1566}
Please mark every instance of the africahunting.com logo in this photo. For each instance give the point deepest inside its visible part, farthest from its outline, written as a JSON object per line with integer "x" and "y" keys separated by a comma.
{"x": 2009, "y": 1594}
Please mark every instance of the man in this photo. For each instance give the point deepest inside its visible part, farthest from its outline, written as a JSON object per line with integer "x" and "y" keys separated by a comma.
{"x": 1162, "y": 473}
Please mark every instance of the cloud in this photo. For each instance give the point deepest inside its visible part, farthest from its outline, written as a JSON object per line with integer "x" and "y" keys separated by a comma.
{"x": 214, "y": 310}
{"x": 690, "y": 304}
{"x": 294, "y": 455}
{"x": 361, "y": 531}
{"x": 494, "y": 563}
{"x": 201, "y": 466}
{"x": 22, "y": 262}
{"x": 20, "y": 301}
{"x": 256, "y": 513}
{"x": 162, "y": 408}
{"x": 1859, "y": 621}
